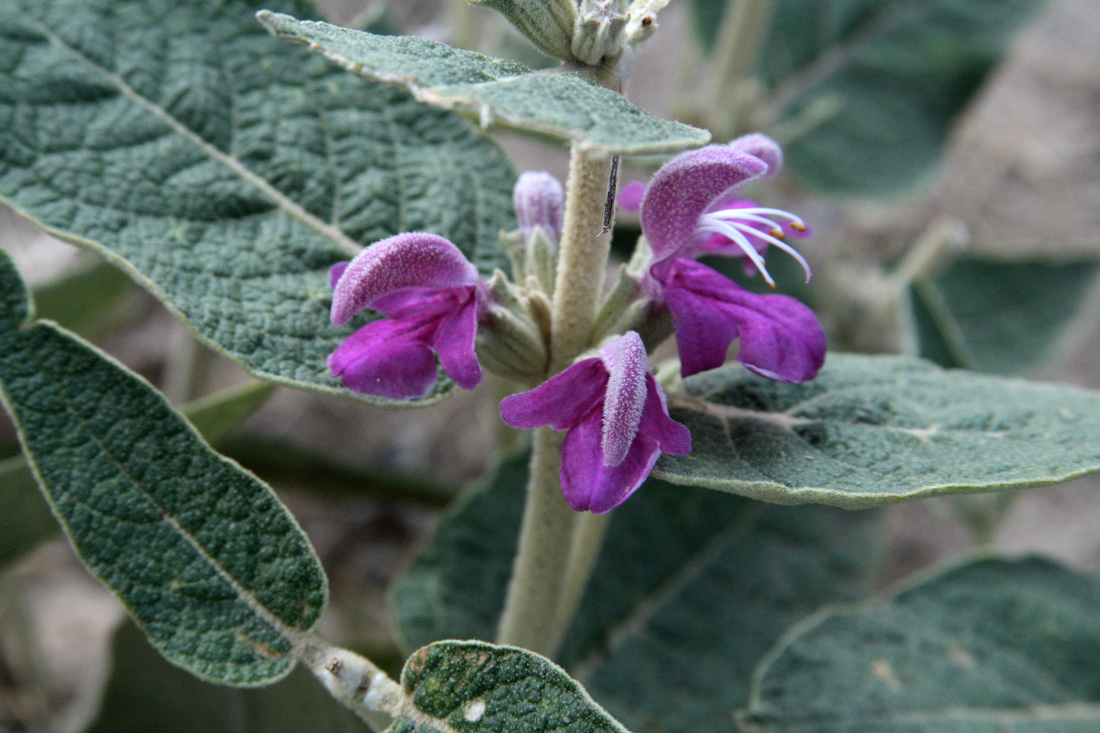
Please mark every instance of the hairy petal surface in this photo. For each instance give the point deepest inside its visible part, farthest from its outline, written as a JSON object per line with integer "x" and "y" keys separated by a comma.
{"x": 685, "y": 187}
{"x": 627, "y": 365}
{"x": 412, "y": 259}
{"x": 762, "y": 147}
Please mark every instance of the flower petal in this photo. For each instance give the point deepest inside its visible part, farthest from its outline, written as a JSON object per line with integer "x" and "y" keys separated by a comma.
{"x": 762, "y": 147}
{"x": 454, "y": 343}
{"x": 630, "y": 196}
{"x": 386, "y": 358}
{"x": 588, "y": 484}
{"x": 627, "y": 365}
{"x": 562, "y": 401}
{"x": 413, "y": 259}
{"x": 539, "y": 201}
{"x": 780, "y": 337}
{"x": 658, "y": 426}
{"x": 685, "y": 187}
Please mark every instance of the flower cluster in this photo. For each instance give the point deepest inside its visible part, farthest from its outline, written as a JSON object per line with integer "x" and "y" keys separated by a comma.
{"x": 437, "y": 306}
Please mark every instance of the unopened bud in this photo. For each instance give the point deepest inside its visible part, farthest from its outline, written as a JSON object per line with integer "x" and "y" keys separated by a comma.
{"x": 510, "y": 342}
{"x": 598, "y": 34}
{"x": 540, "y": 202}
{"x": 546, "y": 23}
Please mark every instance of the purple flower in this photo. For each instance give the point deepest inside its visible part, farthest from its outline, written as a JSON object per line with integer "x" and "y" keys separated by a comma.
{"x": 617, "y": 420}
{"x": 433, "y": 297}
{"x": 690, "y": 209}
{"x": 539, "y": 201}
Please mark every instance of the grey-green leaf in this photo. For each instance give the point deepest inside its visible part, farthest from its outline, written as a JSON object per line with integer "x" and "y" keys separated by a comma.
{"x": 144, "y": 693}
{"x": 1001, "y": 317}
{"x": 207, "y": 560}
{"x": 869, "y": 88}
{"x": 548, "y": 24}
{"x": 472, "y": 686}
{"x": 555, "y": 104}
{"x": 874, "y": 430}
{"x": 692, "y": 585}
{"x": 25, "y": 518}
{"x": 992, "y": 645}
{"x": 228, "y": 172}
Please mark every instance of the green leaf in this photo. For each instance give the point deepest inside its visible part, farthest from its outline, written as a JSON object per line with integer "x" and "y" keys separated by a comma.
{"x": 555, "y": 104}
{"x": 1000, "y": 317}
{"x": 693, "y": 587}
{"x": 992, "y": 645}
{"x": 472, "y": 686}
{"x": 25, "y": 518}
{"x": 874, "y": 430}
{"x": 204, "y": 556}
{"x": 145, "y": 693}
{"x": 867, "y": 90}
{"x": 548, "y": 24}
{"x": 227, "y": 172}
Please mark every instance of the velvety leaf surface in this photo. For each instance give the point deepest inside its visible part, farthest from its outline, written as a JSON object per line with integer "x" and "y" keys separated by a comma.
{"x": 472, "y": 687}
{"x": 227, "y": 171}
{"x": 1000, "y": 317}
{"x": 692, "y": 589}
{"x": 873, "y": 430}
{"x": 25, "y": 518}
{"x": 550, "y": 103}
{"x": 992, "y": 645}
{"x": 873, "y": 86}
{"x": 204, "y": 556}
{"x": 145, "y": 693}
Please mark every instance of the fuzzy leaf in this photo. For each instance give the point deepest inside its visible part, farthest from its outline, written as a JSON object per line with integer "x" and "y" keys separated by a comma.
{"x": 473, "y": 686}
{"x": 877, "y": 430}
{"x": 556, "y": 104}
{"x": 868, "y": 89}
{"x": 992, "y": 645}
{"x": 203, "y": 555}
{"x": 1001, "y": 317}
{"x": 227, "y": 172}
{"x": 25, "y": 518}
{"x": 692, "y": 589}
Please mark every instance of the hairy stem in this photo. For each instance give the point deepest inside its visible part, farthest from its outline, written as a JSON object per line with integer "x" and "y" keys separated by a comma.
{"x": 356, "y": 683}
{"x": 542, "y": 555}
{"x": 546, "y": 535}
{"x": 588, "y": 533}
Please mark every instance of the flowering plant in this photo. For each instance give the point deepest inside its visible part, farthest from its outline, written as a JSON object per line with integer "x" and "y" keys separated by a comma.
{"x": 331, "y": 220}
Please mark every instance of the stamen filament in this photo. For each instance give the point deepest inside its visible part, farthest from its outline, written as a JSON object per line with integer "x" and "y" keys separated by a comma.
{"x": 717, "y": 226}
{"x": 778, "y": 243}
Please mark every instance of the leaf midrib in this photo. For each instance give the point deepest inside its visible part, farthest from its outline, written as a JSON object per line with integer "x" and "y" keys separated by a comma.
{"x": 280, "y": 200}
{"x": 295, "y": 636}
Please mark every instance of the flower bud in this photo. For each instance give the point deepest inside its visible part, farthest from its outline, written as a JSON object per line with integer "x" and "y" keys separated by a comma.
{"x": 510, "y": 341}
{"x": 598, "y": 32}
{"x": 546, "y": 23}
{"x": 540, "y": 202}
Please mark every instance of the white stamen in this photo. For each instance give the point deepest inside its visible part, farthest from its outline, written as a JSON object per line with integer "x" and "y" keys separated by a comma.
{"x": 778, "y": 243}
{"x": 717, "y": 226}
{"x": 737, "y": 220}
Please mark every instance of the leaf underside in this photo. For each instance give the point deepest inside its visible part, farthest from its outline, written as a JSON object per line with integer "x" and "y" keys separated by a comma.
{"x": 874, "y": 430}
{"x": 555, "y": 104}
{"x": 206, "y": 559}
{"x": 991, "y": 645}
{"x": 228, "y": 172}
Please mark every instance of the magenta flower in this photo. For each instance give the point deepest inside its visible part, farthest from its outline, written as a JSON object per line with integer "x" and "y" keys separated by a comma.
{"x": 617, "y": 419}
{"x": 689, "y": 209}
{"x": 433, "y": 297}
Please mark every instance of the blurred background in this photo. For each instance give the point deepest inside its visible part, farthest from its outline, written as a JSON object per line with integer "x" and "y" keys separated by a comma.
{"x": 1017, "y": 182}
